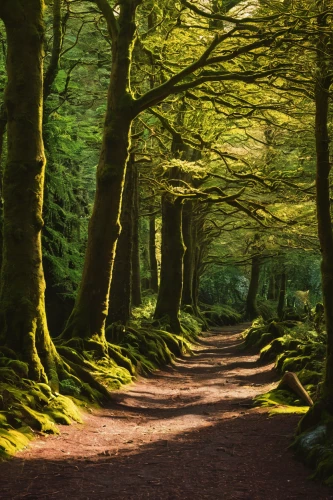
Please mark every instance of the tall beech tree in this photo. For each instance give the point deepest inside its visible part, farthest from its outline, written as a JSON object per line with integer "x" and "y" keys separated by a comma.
{"x": 23, "y": 325}
{"x": 88, "y": 317}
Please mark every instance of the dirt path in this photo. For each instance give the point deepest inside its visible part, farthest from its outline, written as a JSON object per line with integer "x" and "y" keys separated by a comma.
{"x": 188, "y": 432}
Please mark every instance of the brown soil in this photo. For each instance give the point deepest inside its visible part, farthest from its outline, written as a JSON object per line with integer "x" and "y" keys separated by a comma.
{"x": 188, "y": 432}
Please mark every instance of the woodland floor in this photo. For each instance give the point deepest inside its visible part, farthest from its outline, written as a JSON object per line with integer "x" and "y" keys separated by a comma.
{"x": 187, "y": 432}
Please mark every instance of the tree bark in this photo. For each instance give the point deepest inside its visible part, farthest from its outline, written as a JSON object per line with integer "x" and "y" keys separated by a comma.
{"x": 121, "y": 283}
{"x": 88, "y": 316}
{"x": 282, "y": 295}
{"x": 251, "y": 311}
{"x": 189, "y": 256}
{"x": 171, "y": 282}
{"x": 152, "y": 254}
{"x": 136, "y": 276}
{"x": 22, "y": 312}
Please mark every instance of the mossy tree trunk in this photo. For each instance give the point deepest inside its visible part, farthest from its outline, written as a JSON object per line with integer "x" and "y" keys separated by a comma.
{"x": 189, "y": 256}
{"x": 323, "y": 195}
{"x": 22, "y": 310}
{"x": 136, "y": 275}
{"x": 171, "y": 280}
{"x": 89, "y": 314}
{"x": 251, "y": 311}
{"x": 152, "y": 254}
{"x": 121, "y": 283}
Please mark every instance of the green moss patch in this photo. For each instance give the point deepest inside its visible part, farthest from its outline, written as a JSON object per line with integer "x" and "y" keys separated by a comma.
{"x": 12, "y": 441}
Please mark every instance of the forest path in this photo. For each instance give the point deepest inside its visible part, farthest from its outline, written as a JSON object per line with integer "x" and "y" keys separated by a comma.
{"x": 187, "y": 432}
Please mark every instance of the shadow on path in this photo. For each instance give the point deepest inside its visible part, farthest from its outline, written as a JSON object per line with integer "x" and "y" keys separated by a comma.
{"x": 187, "y": 432}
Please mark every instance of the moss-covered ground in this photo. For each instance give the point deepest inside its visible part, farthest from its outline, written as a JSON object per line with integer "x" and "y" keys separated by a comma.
{"x": 93, "y": 370}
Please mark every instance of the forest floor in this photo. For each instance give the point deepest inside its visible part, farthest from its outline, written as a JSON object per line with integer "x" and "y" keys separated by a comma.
{"x": 187, "y": 432}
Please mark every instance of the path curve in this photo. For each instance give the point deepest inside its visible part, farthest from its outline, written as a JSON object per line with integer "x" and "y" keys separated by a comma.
{"x": 187, "y": 432}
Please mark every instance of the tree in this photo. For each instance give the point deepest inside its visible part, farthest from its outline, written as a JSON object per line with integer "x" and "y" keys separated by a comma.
{"x": 88, "y": 316}
{"x": 22, "y": 280}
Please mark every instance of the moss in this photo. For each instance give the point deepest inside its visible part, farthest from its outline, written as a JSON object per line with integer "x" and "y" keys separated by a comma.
{"x": 264, "y": 339}
{"x": 295, "y": 364}
{"x": 253, "y": 335}
{"x": 37, "y": 420}
{"x": 8, "y": 375}
{"x": 19, "y": 367}
{"x": 120, "y": 359}
{"x": 59, "y": 418}
{"x": 277, "y": 397}
{"x": 278, "y": 346}
{"x": 307, "y": 377}
{"x": 70, "y": 387}
{"x": 297, "y": 410}
{"x": 12, "y": 440}
{"x": 64, "y": 406}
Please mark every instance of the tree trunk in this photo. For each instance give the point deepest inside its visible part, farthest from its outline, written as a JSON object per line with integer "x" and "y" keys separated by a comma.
{"x": 171, "y": 283}
{"x": 136, "y": 277}
{"x": 152, "y": 254}
{"x": 3, "y": 127}
{"x": 88, "y": 316}
{"x": 187, "y": 223}
{"x": 323, "y": 201}
{"x": 271, "y": 293}
{"x": 282, "y": 295}
{"x": 22, "y": 314}
{"x": 121, "y": 283}
{"x": 251, "y": 311}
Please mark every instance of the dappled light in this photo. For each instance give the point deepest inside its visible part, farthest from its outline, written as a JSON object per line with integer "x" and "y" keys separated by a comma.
{"x": 189, "y": 429}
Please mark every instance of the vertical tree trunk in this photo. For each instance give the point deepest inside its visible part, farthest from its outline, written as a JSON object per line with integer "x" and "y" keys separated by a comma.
{"x": 3, "y": 126}
{"x": 171, "y": 282}
{"x": 121, "y": 283}
{"x": 188, "y": 228}
{"x": 152, "y": 254}
{"x": 22, "y": 304}
{"x": 251, "y": 311}
{"x": 136, "y": 277}
{"x": 271, "y": 293}
{"x": 282, "y": 295}
{"x": 88, "y": 316}
{"x": 323, "y": 202}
